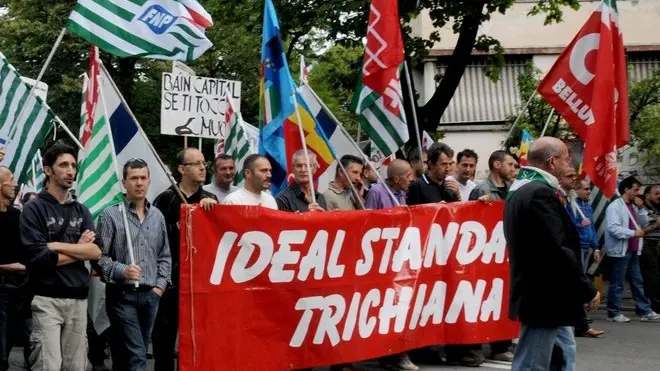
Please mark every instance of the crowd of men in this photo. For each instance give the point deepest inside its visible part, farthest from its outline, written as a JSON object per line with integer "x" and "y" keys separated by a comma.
{"x": 53, "y": 246}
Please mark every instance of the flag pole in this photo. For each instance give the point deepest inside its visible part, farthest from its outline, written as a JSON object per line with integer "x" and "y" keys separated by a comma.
{"x": 122, "y": 209}
{"x": 69, "y": 133}
{"x": 144, "y": 135}
{"x": 302, "y": 139}
{"x": 547, "y": 122}
{"x": 22, "y": 111}
{"x": 515, "y": 123}
{"x": 414, "y": 111}
{"x": 357, "y": 146}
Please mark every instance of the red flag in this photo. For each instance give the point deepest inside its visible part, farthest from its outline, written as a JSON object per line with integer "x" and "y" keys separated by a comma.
{"x": 588, "y": 87}
{"x": 91, "y": 95}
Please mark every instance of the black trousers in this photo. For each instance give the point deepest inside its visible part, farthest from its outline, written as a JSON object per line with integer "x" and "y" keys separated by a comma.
{"x": 649, "y": 263}
{"x": 457, "y": 352}
{"x": 14, "y": 322}
{"x": 165, "y": 330}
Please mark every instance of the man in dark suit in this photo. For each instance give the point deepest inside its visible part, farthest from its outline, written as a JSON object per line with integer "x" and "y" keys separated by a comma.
{"x": 548, "y": 287}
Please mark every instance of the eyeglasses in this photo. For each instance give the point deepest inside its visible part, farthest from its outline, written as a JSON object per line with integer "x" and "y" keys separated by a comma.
{"x": 197, "y": 164}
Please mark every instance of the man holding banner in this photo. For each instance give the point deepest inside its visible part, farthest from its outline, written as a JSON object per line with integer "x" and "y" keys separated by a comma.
{"x": 257, "y": 172}
{"x": 297, "y": 196}
{"x": 192, "y": 169}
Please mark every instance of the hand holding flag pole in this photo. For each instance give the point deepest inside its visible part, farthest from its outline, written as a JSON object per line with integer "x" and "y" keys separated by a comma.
{"x": 357, "y": 147}
{"x": 302, "y": 138}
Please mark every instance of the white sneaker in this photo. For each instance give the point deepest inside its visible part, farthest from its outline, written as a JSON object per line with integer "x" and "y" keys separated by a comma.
{"x": 620, "y": 318}
{"x": 652, "y": 316}
{"x": 406, "y": 364}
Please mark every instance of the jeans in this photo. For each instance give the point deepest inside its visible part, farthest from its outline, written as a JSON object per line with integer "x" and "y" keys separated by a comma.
{"x": 58, "y": 341}
{"x": 165, "y": 330}
{"x": 132, "y": 314}
{"x": 585, "y": 255}
{"x": 622, "y": 267}
{"x": 14, "y": 323}
{"x": 543, "y": 349}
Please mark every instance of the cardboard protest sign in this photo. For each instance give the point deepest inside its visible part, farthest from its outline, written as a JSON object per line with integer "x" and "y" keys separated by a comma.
{"x": 195, "y": 106}
{"x": 264, "y": 290}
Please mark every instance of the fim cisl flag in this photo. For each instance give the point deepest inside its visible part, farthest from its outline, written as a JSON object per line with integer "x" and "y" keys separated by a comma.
{"x": 588, "y": 87}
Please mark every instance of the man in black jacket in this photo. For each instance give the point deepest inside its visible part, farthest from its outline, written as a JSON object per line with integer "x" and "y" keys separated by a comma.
{"x": 432, "y": 186}
{"x": 58, "y": 233}
{"x": 192, "y": 169}
{"x": 548, "y": 287}
{"x": 297, "y": 197}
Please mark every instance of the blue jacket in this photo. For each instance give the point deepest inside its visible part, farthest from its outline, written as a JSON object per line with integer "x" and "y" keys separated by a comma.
{"x": 588, "y": 236}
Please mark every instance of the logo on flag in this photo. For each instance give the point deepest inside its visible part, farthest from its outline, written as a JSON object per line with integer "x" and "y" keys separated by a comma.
{"x": 588, "y": 87}
{"x": 158, "y": 19}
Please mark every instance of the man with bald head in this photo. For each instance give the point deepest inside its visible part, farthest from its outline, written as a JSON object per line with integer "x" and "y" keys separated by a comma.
{"x": 191, "y": 167}
{"x": 548, "y": 288}
{"x": 13, "y": 324}
{"x": 399, "y": 176}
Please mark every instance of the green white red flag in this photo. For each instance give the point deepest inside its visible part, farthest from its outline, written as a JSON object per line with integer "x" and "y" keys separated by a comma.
{"x": 379, "y": 95}
{"x": 588, "y": 87}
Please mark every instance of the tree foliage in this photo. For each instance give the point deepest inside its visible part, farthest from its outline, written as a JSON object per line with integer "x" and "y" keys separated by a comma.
{"x": 645, "y": 115}
{"x": 333, "y": 78}
{"x": 534, "y": 116}
{"x": 28, "y": 29}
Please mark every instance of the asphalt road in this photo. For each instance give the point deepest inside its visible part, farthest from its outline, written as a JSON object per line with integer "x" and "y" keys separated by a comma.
{"x": 631, "y": 347}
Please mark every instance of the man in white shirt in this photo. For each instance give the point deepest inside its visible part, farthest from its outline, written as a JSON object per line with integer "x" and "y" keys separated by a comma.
{"x": 224, "y": 171}
{"x": 466, "y": 165}
{"x": 257, "y": 173}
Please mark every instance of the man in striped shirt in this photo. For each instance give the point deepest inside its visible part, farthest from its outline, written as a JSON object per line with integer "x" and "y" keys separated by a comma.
{"x": 132, "y": 308}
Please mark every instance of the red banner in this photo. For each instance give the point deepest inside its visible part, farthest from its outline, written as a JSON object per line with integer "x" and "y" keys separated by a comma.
{"x": 263, "y": 290}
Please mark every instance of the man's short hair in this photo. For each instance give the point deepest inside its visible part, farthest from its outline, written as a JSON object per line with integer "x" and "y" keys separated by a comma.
{"x": 248, "y": 163}
{"x": 436, "y": 150}
{"x": 414, "y": 155}
{"x": 346, "y": 160}
{"x": 497, "y": 156}
{"x": 135, "y": 163}
{"x": 55, "y": 151}
{"x": 650, "y": 188}
{"x": 223, "y": 157}
{"x": 301, "y": 153}
{"x": 181, "y": 155}
{"x": 26, "y": 197}
{"x": 628, "y": 183}
{"x": 466, "y": 153}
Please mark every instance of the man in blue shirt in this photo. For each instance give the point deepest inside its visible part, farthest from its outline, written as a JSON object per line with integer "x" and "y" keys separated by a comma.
{"x": 588, "y": 237}
{"x": 399, "y": 177}
{"x": 582, "y": 221}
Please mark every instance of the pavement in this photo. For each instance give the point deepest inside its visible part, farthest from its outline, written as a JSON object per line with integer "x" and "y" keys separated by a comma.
{"x": 631, "y": 347}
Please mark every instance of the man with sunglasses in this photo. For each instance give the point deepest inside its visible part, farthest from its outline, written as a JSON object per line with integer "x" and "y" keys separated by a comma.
{"x": 192, "y": 169}
{"x": 132, "y": 308}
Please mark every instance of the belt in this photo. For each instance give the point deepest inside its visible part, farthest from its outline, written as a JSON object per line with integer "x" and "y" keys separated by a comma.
{"x": 127, "y": 287}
